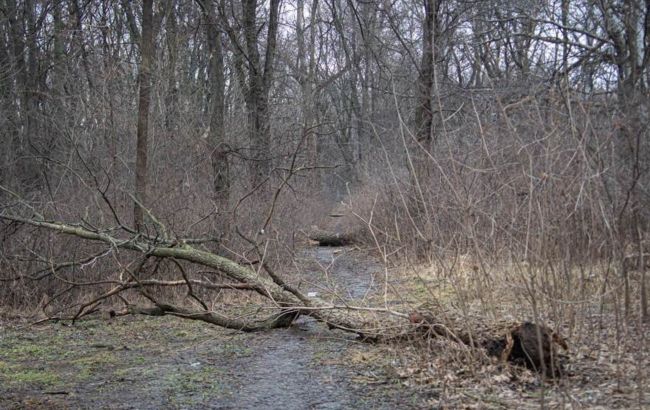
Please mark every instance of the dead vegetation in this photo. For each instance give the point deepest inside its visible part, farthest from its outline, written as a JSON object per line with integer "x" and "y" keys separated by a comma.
{"x": 493, "y": 157}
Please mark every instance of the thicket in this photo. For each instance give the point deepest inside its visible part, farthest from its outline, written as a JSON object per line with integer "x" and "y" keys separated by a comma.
{"x": 504, "y": 142}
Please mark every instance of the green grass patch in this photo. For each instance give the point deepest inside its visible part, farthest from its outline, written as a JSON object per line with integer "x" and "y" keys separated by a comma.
{"x": 31, "y": 377}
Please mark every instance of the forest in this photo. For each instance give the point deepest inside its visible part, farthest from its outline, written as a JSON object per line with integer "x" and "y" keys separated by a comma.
{"x": 324, "y": 204}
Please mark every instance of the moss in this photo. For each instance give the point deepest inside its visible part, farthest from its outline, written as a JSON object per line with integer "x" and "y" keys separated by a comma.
{"x": 236, "y": 349}
{"x": 123, "y": 372}
{"x": 140, "y": 360}
{"x": 87, "y": 367}
{"x": 203, "y": 379}
{"x": 6, "y": 369}
{"x": 42, "y": 377}
{"x": 26, "y": 351}
{"x": 99, "y": 358}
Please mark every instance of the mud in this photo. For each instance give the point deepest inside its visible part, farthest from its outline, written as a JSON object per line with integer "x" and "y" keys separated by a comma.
{"x": 297, "y": 368}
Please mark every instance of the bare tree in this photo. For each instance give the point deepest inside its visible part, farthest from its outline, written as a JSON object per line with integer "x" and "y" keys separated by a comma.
{"x": 509, "y": 133}
{"x": 144, "y": 100}
{"x": 255, "y": 75}
{"x": 217, "y": 133}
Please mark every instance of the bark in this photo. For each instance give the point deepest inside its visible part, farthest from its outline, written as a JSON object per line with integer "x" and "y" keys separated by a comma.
{"x": 258, "y": 90}
{"x": 22, "y": 171}
{"x": 368, "y": 34}
{"x": 217, "y": 133}
{"x": 306, "y": 77}
{"x": 7, "y": 105}
{"x": 255, "y": 81}
{"x": 424, "y": 114}
{"x": 418, "y": 162}
{"x": 171, "y": 99}
{"x": 130, "y": 19}
{"x": 144, "y": 99}
{"x": 352, "y": 120}
{"x": 284, "y": 319}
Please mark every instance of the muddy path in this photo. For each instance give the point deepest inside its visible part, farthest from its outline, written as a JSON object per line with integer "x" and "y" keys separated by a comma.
{"x": 152, "y": 363}
{"x": 297, "y": 368}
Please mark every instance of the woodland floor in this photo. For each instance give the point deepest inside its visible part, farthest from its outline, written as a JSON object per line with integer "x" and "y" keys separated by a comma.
{"x": 153, "y": 363}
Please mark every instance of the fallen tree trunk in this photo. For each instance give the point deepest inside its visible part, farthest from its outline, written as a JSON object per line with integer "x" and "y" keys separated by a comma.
{"x": 274, "y": 288}
{"x": 283, "y": 319}
{"x": 524, "y": 344}
{"x": 327, "y": 238}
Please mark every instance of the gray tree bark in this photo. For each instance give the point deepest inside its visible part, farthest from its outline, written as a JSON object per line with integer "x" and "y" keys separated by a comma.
{"x": 217, "y": 134}
{"x": 144, "y": 99}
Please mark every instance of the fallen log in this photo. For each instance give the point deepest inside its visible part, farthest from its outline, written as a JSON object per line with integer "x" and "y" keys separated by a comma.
{"x": 271, "y": 286}
{"x": 328, "y": 238}
{"x": 526, "y": 344}
{"x": 283, "y": 319}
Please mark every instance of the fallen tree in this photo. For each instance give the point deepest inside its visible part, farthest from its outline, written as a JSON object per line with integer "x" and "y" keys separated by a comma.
{"x": 285, "y": 297}
{"x": 328, "y": 238}
{"x": 525, "y": 344}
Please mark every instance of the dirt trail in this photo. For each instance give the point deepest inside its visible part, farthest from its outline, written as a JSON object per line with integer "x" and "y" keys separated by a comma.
{"x": 286, "y": 370}
{"x": 154, "y": 363}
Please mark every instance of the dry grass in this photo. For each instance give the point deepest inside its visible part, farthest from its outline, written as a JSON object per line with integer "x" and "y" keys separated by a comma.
{"x": 606, "y": 365}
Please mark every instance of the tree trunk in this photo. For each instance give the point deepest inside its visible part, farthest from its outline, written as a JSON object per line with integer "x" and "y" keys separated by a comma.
{"x": 527, "y": 344}
{"x": 217, "y": 134}
{"x": 144, "y": 83}
{"x": 306, "y": 66}
{"x": 424, "y": 114}
{"x": 328, "y": 238}
{"x": 259, "y": 84}
{"x": 23, "y": 171}
{"x": 171, "y": 99}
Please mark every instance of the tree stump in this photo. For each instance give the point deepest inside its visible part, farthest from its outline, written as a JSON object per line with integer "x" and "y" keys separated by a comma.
{"x": 522, "y": 346}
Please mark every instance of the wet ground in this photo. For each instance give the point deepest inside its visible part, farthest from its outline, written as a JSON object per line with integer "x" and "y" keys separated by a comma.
{"x": 153, "y": 363}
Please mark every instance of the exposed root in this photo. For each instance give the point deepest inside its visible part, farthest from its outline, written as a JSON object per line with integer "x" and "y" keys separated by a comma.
{"x": 525, "y": 344}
